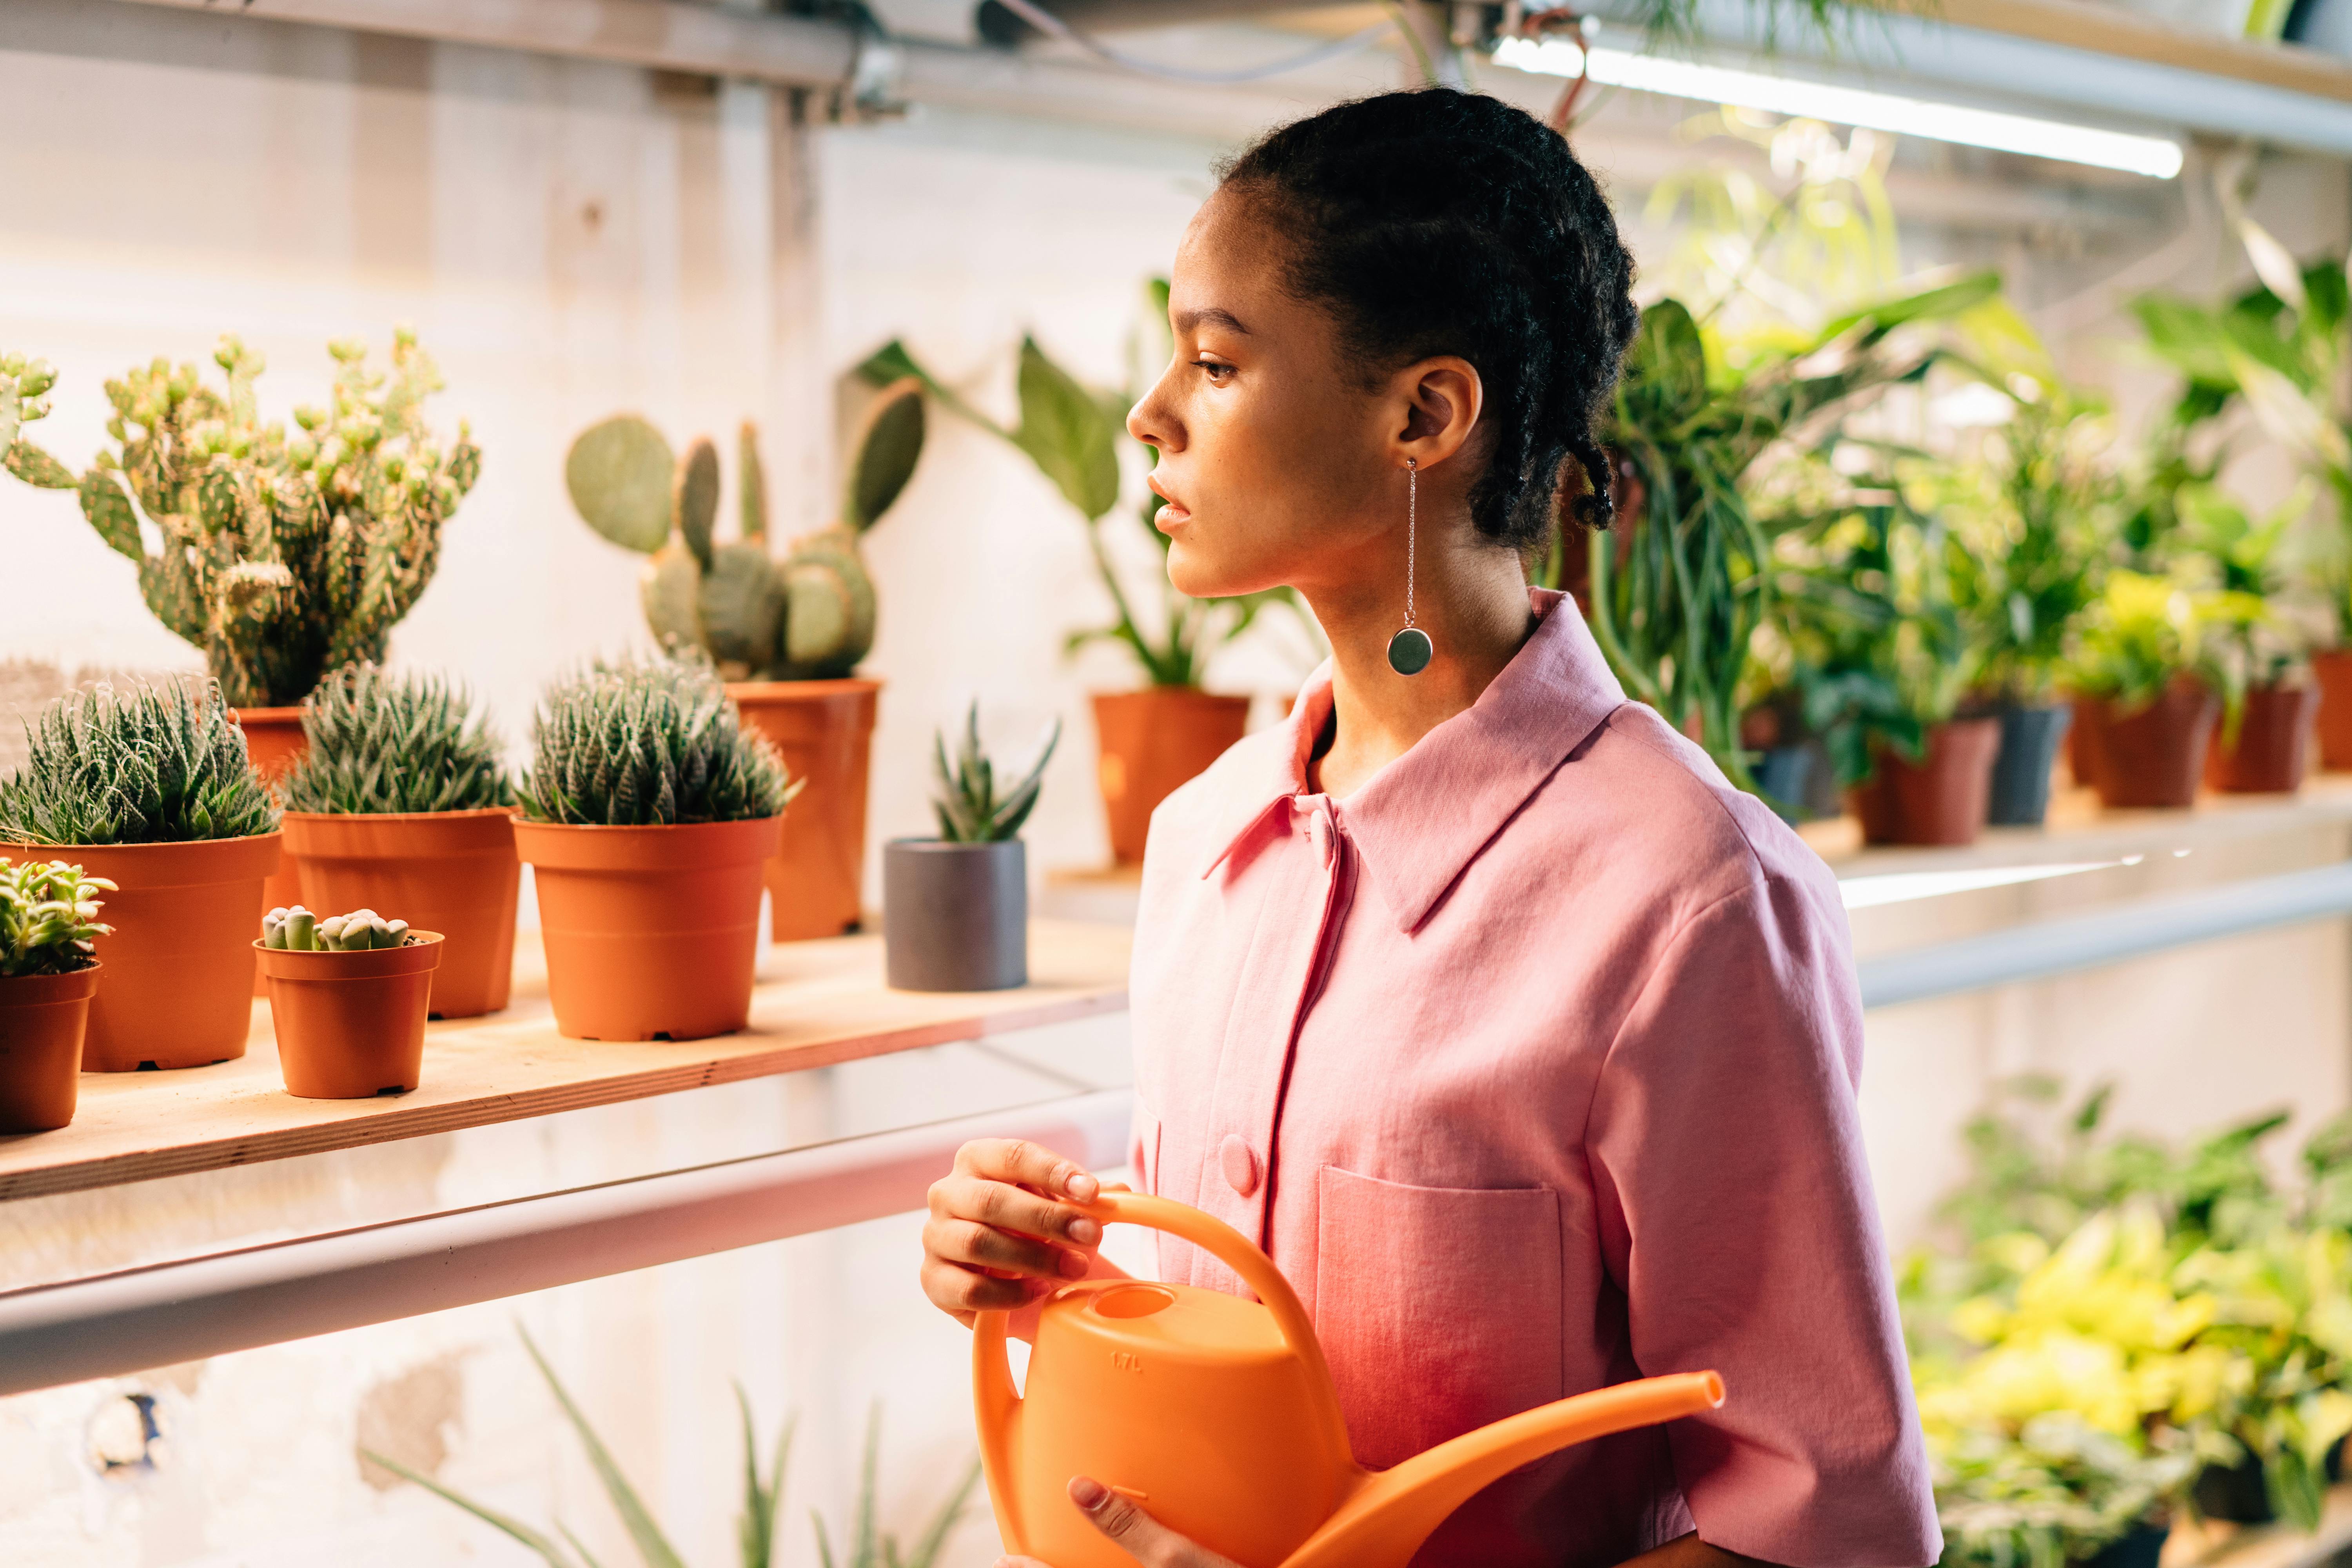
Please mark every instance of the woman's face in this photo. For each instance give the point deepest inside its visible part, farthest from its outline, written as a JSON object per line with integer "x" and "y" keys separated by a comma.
{"x": 1278, "y": 462}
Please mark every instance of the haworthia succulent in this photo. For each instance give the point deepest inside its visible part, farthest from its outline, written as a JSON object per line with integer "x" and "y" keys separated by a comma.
{"x": 382, "y": 742}
{"x": 638, "y": 744}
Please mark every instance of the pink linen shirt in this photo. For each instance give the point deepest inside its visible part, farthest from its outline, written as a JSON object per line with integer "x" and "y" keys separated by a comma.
{"x": 1532, "y": 1064}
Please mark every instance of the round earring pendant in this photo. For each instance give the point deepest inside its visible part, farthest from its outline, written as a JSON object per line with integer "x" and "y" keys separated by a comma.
{"x": 1410, "y": 651}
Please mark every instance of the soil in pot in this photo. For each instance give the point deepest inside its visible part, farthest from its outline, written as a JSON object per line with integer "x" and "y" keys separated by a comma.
{"x": 180, "y": 974}
{"x": 955, "y": 917}
{"x": 1939, "y": 799}
{"x": 2029, "y": 740}
{"x": 651, "y": 933}
{"x": 2152, "y": 755}
{"x": 2272, "y": 751}
{"x": 826, "y": 730}
{"x": 43, "y": 1019}
{"x": 351, "y": 1026}
{"x": 1150, "y": 742}
{"x": 450, "y": 871}
{"x": 275, "y": 740}
{"x": 2333, "y": 671}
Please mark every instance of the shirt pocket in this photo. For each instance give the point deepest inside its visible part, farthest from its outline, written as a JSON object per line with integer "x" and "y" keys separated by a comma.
{"x": 1439, "y": 1308}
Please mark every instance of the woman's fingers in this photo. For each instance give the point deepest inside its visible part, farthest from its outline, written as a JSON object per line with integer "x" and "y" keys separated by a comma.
{"x": 1138, "y": 1534}
{"x": 1024, "y": 1163}
{"x": 995, "y": 1226}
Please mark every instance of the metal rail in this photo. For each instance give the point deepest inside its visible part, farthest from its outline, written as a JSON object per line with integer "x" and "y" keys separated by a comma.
{"x": 123, "y": 1322}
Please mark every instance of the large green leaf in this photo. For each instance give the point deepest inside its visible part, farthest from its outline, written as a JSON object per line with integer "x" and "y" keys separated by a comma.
{"x": 889, "y": 446}
{"x": 1067, "y": 433}
{"x": 1924, "y": 305}
{"x": 1666, "y": 365}
{"x": 652, "y": 1545}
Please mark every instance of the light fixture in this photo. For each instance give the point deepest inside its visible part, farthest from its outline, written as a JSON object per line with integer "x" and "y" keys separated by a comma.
{"x": 2156, "y": 156}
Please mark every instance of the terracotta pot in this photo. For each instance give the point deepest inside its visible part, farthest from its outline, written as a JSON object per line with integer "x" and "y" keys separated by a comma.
{"x": 1939, "y": 799}
{"x": 274, "y": 739}
{"x": 826, "y": 730}
{"x": 43, "y": 1018}
{"x": 351, "y": 1026}
{"x": 1150, "y": 742}
{"x": 651, "y": 932}
{"x": 2333, "y": 671}
{"x": 2030, "y": 738}
{"x": 450, "y": 871}
{"x": 2273, "y": 742}
{"x": 2152, "y": 755}
{"x": 179, "y": 975}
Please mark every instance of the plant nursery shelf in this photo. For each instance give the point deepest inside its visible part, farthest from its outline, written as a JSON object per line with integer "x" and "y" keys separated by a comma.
{"x": 817, "y": 1003}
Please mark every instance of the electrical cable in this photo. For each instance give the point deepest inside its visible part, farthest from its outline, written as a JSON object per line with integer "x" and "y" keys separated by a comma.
{"x": 1053, "y": 26}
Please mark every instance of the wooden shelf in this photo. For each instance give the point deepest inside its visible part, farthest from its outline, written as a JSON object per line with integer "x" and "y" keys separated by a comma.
{"x": 818, "y": 1003}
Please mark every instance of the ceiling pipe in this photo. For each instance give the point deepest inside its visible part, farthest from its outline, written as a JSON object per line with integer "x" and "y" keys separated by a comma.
{"x": 997, "y": 25}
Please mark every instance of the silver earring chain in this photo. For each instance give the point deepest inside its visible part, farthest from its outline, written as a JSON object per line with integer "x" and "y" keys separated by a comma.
{"x": 1412, "y": 511}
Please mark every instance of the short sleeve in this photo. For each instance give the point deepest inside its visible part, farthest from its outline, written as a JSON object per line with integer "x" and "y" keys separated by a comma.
{"x": 1735, "y": 1214}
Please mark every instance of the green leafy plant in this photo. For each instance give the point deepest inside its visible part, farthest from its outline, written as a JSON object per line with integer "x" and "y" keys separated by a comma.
{"x": 49, "y": 917}
{"x": 649, "y": 743}
{"x": 297, "y": 929}
{"x": 763, "y": 1490}
{"x": 281, "y": 557}
{"x": 2140, "y": 633}
{"x": 386, "y": 743}
{"x": 153, "y": 765}
{"x": 966, "y": 802}
{"x": 809, "y": 615}
{"x": 1074, "y": 435}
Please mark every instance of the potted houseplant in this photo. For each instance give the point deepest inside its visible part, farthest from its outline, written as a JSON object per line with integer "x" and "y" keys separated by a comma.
{"x": 48, "y": 973}
{"x": 1149, "y": 739}
{"x": 347, "y": 997}
{"x": 151, "y": 790}
{"x": 787, "y": 633}
{"x": 956, "y": 907}
{"x": 401, "y": 802}
{"x": 2147, "y": 693}
{"x": 2263, "y": 744}
{"x": 1880, "y": 656}
{"x": 2031, "y": 520}
{"x": 650, "y": 815}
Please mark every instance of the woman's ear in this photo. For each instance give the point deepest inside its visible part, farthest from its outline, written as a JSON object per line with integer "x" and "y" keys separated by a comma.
{"x": 1441, "y": 399}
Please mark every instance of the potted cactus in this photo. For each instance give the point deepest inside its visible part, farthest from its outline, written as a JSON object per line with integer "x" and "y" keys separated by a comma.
{"x": 48, "y": 973}
{"x": 401, "y": 801}
{"x": 281, "y": 557}
{"x": 347, "y": 998}
{"x": 151, "y": 788}
{"x": 955, "y": 909}
{"x": 650, "y": 815}
{"x": 787, "y": 633}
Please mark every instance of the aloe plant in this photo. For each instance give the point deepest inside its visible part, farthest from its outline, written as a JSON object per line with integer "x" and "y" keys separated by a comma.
{"x": 151, "y": 764}
{"x": 49, "y": 917}
{"x": 640, "y": 743}
{"x": 967, "y": 804}
{"x": 383, "y": 744}
{"x": 763, "y": 1485}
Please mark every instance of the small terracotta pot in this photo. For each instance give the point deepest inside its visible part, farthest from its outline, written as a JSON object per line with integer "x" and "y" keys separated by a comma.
{"x": 179, "y": 975}
{"x": 2152, "y": 755}
{"x": 826, "y": 730}
{"x": 43, "y": 1018}
{"x": 275, "y": 742}
{"x": 651, "y": 932}
{"x": 1150, "y": 742}
{"x": 1939, "y": 799}
{"x": 450, "y": 871}
{"x": 351, "y": 1026}
{"x": 2333, "y": 671}
{"x": 2273, "y": 742}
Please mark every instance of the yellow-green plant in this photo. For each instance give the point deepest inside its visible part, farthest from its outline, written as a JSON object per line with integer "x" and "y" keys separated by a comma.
{"x": 2140, "y": 633}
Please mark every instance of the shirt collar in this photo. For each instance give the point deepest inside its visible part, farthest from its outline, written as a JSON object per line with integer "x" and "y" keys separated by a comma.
{"x": 1420, "y": 820}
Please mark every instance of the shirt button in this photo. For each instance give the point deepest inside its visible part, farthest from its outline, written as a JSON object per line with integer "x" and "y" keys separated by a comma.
{"x": 1240, "y": 1163}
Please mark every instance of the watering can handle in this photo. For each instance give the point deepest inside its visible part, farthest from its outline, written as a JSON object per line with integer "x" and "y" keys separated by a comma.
{"x": 1228, "y": 1247}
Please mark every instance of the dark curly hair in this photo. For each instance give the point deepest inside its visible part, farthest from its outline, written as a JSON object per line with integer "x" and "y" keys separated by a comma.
{"x": 1441, "y": 221}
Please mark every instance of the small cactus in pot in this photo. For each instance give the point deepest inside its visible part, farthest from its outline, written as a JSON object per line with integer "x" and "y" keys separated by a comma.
{"x": 297, "y": 929}
{"x": 348, "y": 996}
{"x": 809, "y": 615}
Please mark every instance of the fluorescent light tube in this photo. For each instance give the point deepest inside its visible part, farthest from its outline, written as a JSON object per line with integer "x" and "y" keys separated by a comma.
{"x": 2155, "y": 156}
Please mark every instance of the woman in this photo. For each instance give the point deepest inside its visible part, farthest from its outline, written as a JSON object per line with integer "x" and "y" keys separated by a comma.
{"x": 1524, "y": 1042}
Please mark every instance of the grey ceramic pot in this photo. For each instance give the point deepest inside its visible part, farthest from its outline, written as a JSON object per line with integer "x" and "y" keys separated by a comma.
{"x": 2030, "y": 738}
{"x": 955, "y": 917}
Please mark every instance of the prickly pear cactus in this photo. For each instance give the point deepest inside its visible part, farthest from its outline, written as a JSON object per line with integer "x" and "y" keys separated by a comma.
{"x": 24, "y": 397}
{"x": 281, "y": 558}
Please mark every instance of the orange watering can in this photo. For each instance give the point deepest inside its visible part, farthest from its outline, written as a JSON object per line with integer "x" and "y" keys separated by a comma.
{"x": 1218, "y": 1418}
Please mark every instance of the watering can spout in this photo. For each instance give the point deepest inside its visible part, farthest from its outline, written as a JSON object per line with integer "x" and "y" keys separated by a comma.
{"x": 1389, "y": 1516}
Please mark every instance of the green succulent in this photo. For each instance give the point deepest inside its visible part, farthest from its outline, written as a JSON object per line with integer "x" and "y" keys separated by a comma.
{"x": 281, "y": 557}
{"x": 809, "y": 615}
{"x": 967, "y": 804}
{"x": 299, "y": 930}
{"x": 153, "y": 765}
{"x": 49, "y": 917}
{"x": 382, "y": 742}
{"x": 651, "y": 743}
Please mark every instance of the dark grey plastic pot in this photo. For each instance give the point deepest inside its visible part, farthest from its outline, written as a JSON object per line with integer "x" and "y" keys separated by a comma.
{"x": 955, "y": 917}
{"x": 1782, "y": 773}
{"x": 2030, "y": 738}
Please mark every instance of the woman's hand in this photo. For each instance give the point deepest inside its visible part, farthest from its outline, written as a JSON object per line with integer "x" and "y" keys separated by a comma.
{"x": 996, "y": 1238}
{"x": 1138, "y": 1534}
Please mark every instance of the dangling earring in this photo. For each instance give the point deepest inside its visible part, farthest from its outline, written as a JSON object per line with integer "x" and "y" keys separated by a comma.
{"x": 1410, "y": 650}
